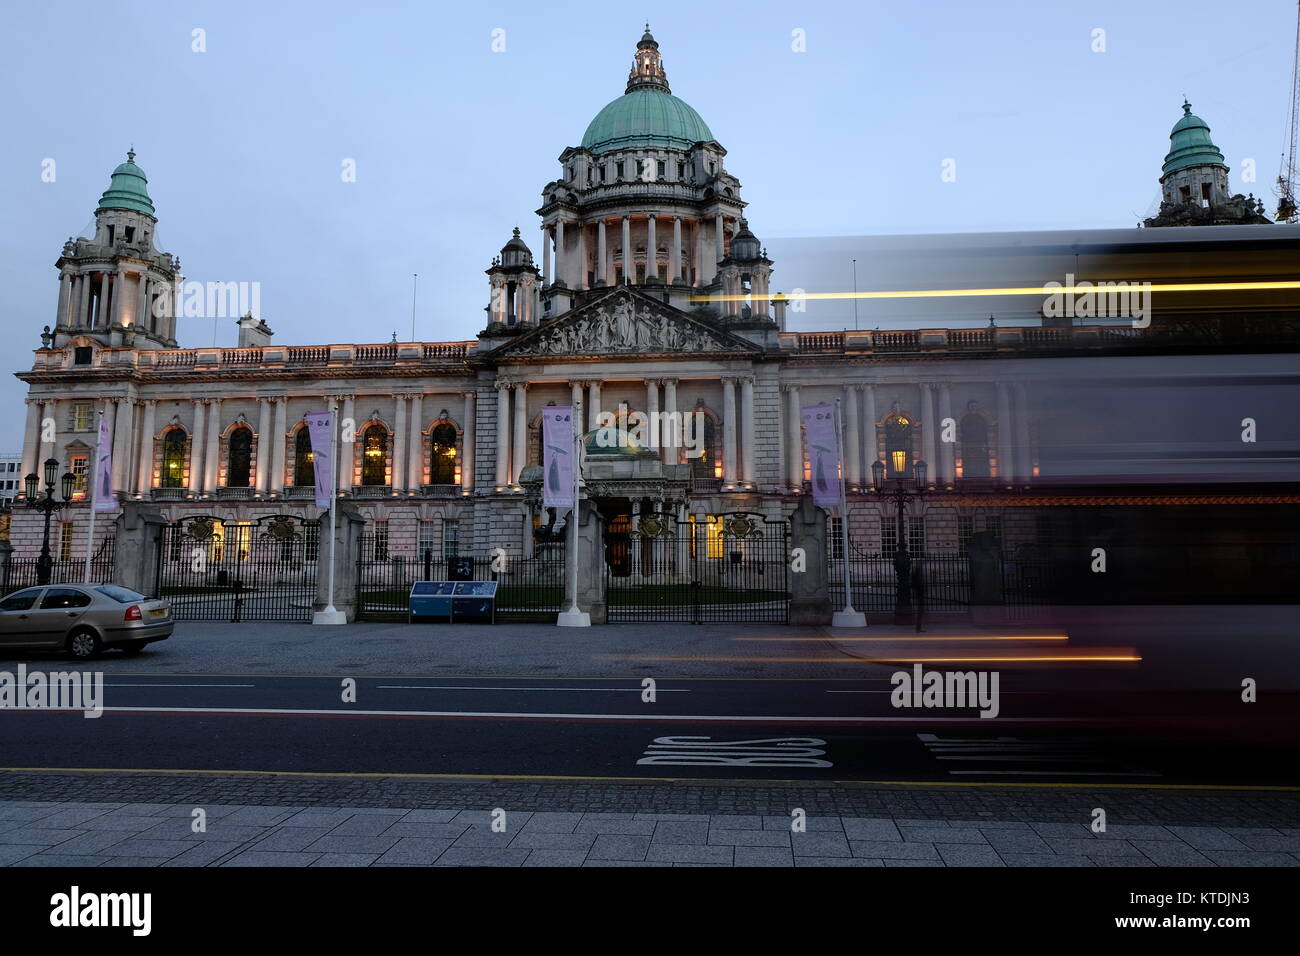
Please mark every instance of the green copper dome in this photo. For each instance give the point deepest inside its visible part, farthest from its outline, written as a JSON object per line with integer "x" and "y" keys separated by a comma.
{"x": 128, "y": 188}
{"x": 1190, "y": 143}
{"x": 646, "y": 117}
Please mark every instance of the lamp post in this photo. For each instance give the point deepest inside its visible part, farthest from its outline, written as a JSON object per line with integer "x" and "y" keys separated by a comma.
{"x": 900, "y": 494}
{"x": 47, "y": 504}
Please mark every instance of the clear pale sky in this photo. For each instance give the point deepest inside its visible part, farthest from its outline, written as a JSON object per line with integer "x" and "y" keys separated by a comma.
{"x": 243, "y": 143}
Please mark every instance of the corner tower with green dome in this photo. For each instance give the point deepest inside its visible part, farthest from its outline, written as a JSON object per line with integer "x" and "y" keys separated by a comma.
{"x": 1194, "y": 181}
{"x": 116, "y": 286}
{"x": 646, "y": 200}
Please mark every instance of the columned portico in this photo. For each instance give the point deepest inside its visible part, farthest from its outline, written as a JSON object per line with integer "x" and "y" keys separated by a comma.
{"x": 651, "y": 250}
{"x": 502, "y": 477}
{"x": 729, "y": 434}
{"x": 852, "y": 439}
{"x": 748, "y": 476}
{"x": 198, "y": 448}
{"x": 415, "y": 448}
{"x": 794, "y": 439}
{"x": 279, "y": 428}
{"x": 520, "y": 456}
{"x": 144, "y": 455}
{"x": 468, "y": 446}
{"x": 122, "y": 445}
{"x": 397, "y": 477}
{"x": 602, "y": 254}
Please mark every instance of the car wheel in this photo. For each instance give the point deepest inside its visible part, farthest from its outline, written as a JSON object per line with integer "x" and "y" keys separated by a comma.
{"x": 83, "y": 644}
{"x": 134, "y": 647}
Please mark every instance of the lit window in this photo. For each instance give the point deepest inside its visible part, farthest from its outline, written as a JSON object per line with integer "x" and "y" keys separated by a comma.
{"x": 79, "y": 465}
{"x": 83, "y": 417}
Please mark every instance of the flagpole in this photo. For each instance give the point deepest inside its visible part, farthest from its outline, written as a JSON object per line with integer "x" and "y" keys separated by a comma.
{"x": 574, "y": 616}
{"x": 330, "y": 615}
{"x": 847, "y": 617}
{"x": 93, "y": 481}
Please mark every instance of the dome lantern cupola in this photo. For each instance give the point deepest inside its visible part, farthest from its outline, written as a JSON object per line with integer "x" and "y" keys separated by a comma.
{"x": 647, "y": 66}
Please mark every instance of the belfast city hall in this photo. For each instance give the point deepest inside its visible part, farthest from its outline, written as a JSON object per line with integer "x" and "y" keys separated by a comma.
{"x": 653, "y": 308}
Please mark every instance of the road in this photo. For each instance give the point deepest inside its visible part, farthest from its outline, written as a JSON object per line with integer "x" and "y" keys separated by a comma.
{"x": 748, "y": 728}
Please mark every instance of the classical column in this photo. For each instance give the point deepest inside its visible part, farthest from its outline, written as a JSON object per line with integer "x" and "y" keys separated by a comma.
{"x": 675, "y": 260}
{"x": 83, "y": 301}
{"x": 120, "y": 303}
{"x": 1006, "y": 471}
{"x": 144, "y": 458}
{"x": 559, "y": 251}
{"x": 415, "y": 451}
{"x": 947, "y": 449}
{"x": 652, "y": 413}
{"x": 397, "y": 476}
{"x": 198, "y": 441}
{"x": 347, "y": 427}
{"x": 142, "y": 316}
{"x": 467, "y": 445}
{"x": 699, "y": 252}
{"x": 31, "y": 439}
{"x": 601, "y": 254}
{"x": 546, "y": 253}
{"x": 629, "y": 267}
{"x": 520, "y": 455}
{"x": 794, "y": 439}
{"x": 503, "y": 435}
{"x": 870, "y": 448}
{"x": 729, "y": 434}
{"x": 852, "y": 438}
{"x": 575, "y": 398}
{"x": 61, "y": 314}
{"x": 263, "y": 444}
{"x": 49, "y": 412}
{"x": 122, "y": 446}
{"x": 278, "y": 429}
{"x": 929, "y": 429}
{"x": 671, "y": 441}
{"x": 593, "y": 406}
{"x": 717, "y": 238}
{"x": 1025, "y": 457}
{"x": 582, "y": 266}
{"x": 747, "y": 431}
{"x": 651, "y": 249}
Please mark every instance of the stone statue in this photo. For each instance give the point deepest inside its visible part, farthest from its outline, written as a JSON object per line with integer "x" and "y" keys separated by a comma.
{"x": 624, "y": 335}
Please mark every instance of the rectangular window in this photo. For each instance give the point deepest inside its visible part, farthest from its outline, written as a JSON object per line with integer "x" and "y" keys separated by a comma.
{"x": 916, "y": 535}
{"x": 427, "y": 541}
{"x": 965, "y": 528}
{"x": 681, "y": 170}
{"x": 83, "y": 416}
{"x": 65, "y": 541}
{"x": 79, "y": 465}
{"x": 993, "y": 524}
{"x": 888, "y": 535}
{"x": 835, "y": 538}
{"x": 618, "y": 170}
{"x": 381, "y": 540}
{"x": 450, "y": 539}
{"x": 662, "y": 169}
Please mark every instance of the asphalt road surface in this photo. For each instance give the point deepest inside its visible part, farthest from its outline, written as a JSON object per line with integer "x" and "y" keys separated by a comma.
{"x": 759, "y": 728}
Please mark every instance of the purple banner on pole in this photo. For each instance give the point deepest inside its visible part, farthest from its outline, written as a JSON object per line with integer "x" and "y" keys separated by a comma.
{"x": 103, "y": 492}
{"x": 320, "y": 429}
{"x": 557, "y": 456}
{"x": 823, "y": 455}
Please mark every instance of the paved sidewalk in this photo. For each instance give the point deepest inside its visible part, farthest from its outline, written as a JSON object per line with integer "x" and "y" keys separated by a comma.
{"x": 80, "y": 834}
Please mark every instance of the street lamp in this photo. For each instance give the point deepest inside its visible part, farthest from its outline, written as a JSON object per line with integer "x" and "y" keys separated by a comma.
{"x": 900, "y": 494}
{"x": 47, "y": 504}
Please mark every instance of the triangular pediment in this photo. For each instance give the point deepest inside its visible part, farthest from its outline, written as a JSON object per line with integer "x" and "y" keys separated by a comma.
{"x": 624, "y": 322}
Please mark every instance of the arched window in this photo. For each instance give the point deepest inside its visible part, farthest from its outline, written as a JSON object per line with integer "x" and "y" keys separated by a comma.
{"x": 706, "y": 463}
{"x": 303, "y": 471}
{"x": 898, "y": 445}
{"x": 239, "y": 458}
{"x": 374, "y": 455}
{"x": 974, "y": 446}
{"x": 442, "y": 454}
{"x": 173, "y": 459}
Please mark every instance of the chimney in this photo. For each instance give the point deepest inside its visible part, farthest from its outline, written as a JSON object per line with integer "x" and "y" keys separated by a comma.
{"x": 253, "y": 333}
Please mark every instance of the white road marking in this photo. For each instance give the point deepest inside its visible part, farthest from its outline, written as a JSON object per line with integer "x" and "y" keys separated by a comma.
{"x": 539, "y": 715}
{"x": 629, "y": 690}
{"x": 180, "y": 685}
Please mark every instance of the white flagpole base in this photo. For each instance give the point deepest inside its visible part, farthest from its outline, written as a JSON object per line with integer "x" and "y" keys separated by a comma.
{"x": 848, "y": 619}
{"x": 329, "y": 616}
{"x": 573, "y": 618}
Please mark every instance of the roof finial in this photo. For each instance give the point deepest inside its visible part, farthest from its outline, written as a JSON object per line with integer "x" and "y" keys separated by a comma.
{"x": 130, "y": 154}
{"x": 1187, "y": 107}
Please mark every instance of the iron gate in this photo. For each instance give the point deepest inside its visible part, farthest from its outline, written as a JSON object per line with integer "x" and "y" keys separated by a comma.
{"x": 528, "y": 589}
{"x": 730, "y": 567}
{"x": 874, "y": 577}
{"x": 263, "y": 570}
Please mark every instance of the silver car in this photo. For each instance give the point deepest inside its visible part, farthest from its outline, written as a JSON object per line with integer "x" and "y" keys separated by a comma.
{"x": 84, "y": 618}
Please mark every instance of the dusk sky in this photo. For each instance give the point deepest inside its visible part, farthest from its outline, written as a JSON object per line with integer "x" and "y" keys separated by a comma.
{"x": 244, "y": 144}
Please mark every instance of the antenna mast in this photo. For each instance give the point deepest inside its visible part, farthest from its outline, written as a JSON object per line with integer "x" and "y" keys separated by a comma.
{"x": 1286, "y": 205}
